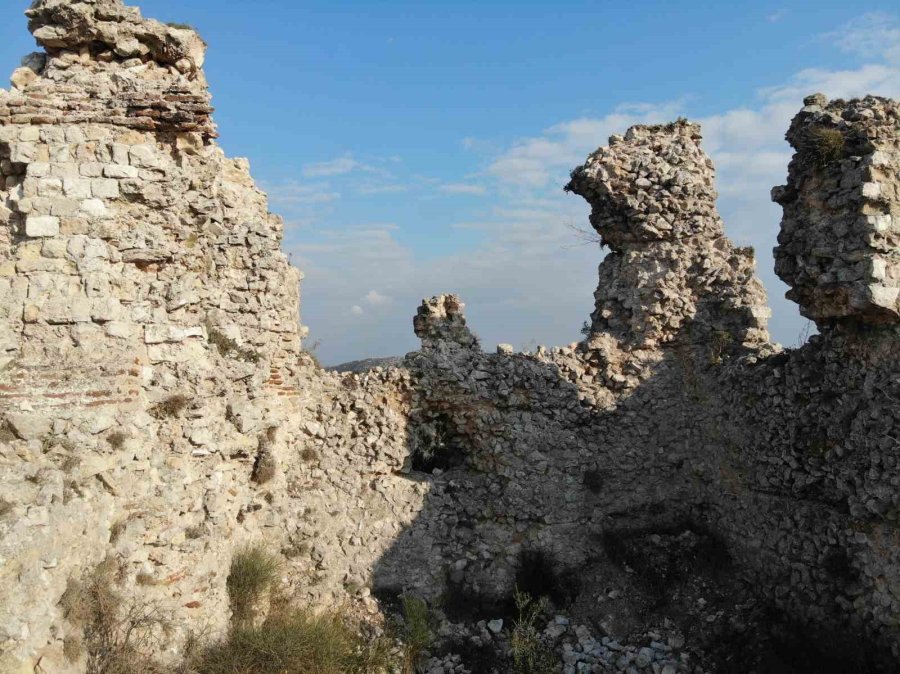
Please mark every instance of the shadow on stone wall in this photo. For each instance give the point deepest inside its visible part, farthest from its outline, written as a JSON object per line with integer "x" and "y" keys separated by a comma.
{"x": 653, "y": 510}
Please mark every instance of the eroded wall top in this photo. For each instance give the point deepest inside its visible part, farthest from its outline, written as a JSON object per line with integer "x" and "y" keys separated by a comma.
{"x": 839, "y": 241}
{"x": 671, "y": 268}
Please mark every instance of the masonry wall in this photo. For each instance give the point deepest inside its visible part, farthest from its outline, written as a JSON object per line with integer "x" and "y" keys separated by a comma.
{"x": 158, "y": 410}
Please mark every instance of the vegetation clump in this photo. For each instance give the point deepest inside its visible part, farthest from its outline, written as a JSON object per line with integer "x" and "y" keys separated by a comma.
{"x": 119, "y": 637}
{"x": 295, "y": 641}
{"x": 824, "y": 145}
{"x": 228, "y": 347}
{"x": 253, "y": 571}
{"x": 116, "y": 439}
{"x": 530, "y": 654}
{"x": 171, "y": 407}
{"x": 417, "y": 634}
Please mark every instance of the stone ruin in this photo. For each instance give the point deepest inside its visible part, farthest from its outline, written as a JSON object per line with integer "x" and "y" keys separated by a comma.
{"x": 690, "y": 496}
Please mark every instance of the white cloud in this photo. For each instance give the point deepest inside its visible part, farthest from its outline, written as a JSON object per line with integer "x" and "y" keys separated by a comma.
{"x": 375, "y": 298}
{"x": 463, "y": 188}
{"x": 776, "y": 16}
{"x": 527, "y": 279}
{"x": 873, "y": 35}
{"x": 291, "y": 193}
{"x": 539, "y": 161}
{"x": 370, "y": 189}
{"x": 335, "y": 167}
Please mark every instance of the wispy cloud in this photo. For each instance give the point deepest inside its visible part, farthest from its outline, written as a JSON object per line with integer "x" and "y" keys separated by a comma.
{"x": 463, "y": 188}
{"x": 292, "y": 193}
{"x": 873, "y": 35}
{"x": 776, "y": 16}
{"x": 381, "y": 188}
{"x": 376, "y": 299}
{"x": 334, "y": 167}
{"x": 538, "y": 161}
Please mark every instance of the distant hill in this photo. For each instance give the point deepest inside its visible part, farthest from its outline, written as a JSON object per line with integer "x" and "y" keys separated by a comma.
{"x": 365, "y": 365}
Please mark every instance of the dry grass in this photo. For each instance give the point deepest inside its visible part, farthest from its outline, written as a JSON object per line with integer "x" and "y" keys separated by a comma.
{"x": 530, "y": 655}
{"x": 295, "y": 641}
{"x": 265, "y": 466}
{"x": 171, "y": 407}
{"x": 116, "y": 439}
{"x": 195, "y": 532}
{"x": 117, "y": 529}
{"x": 228, "y": 347}
{"x": 253, "y": 571}
{"x": 824, "y": 145}
{"x": 119, "y": 637}
{"x": 417, "y": 634}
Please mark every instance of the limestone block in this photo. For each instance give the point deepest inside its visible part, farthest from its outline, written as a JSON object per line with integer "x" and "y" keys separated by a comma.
{"x": 29, "y": 426}
{"x": 41, "y": 225}
{"x": 22, "y": 77}
{"x": 105, "y": 188}
{"x": 94, "y": 208}
{"x": 77, "y": 188}
{"x": 23, "y": 153}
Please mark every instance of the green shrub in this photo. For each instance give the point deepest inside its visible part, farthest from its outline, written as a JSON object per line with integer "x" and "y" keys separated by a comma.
{"x": 253, "y": 571}
{"x": 295, "y": 641}
{"x": 530, "y": 655}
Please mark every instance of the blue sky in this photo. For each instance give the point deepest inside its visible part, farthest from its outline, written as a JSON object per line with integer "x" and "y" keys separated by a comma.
{"x": 421, "y": 147}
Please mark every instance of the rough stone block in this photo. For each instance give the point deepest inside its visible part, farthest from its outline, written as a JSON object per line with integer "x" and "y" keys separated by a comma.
{"x": 41, "y": 225}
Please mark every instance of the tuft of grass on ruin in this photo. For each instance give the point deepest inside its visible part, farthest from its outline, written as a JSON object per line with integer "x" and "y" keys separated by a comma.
{"x": 229, "y": 348}
{"x": 417, "y": 633}
{"x": 116, "y": 439}
{"x": 171, "y": 407}
{"x": 529, "y": 653}
{"x": 824, "y": 145}
{"x": 118, "y": 636}
{"x": 296, "y": 641}
{"x": 253, "y": 571}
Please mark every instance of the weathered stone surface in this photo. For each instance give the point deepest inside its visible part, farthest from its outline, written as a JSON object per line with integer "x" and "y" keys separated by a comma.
{"x": 156, "y": 407}
{"x": 671, "y": 267}
{"x": 838, "y": 246}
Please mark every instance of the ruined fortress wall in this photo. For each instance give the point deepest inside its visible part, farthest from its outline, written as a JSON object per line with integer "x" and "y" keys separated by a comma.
{"x": 677, "y": 409}
{"x": 158, "y": 411}
{"x": 156, "y": 407}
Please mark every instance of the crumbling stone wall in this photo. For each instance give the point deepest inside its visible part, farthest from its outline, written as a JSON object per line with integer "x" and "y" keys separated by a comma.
{"x": 788, "y": 456}
{"x": 838, "y": 243}
{"x": 150, "y": 350}
{"x": 157, "y": 408}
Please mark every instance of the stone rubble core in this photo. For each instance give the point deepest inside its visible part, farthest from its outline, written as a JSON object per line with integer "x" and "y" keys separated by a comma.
{"x": 838, "y": 246}
{"x": 653, "y": 203}
{"x": 157, "y": 409}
